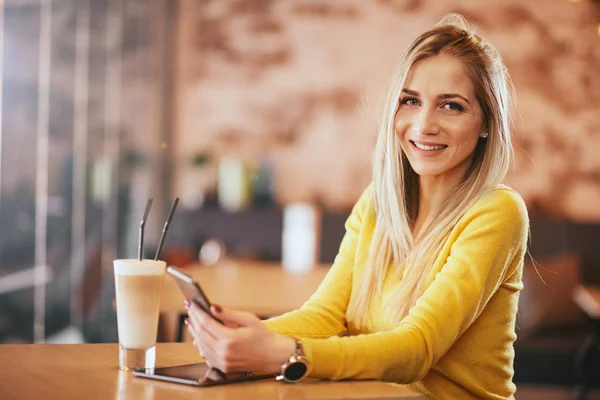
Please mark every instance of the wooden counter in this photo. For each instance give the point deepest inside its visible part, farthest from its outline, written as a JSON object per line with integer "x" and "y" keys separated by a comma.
{"x": 90, "y": 371}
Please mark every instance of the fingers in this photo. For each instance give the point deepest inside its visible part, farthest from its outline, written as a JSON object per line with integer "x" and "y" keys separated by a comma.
{"x": 205, "y": 336}
{"x": 204, "y": 342}
{"x": 197, "y": 323}
{"x": 211, "y": 359}
{"x": 224, "y": 347}
{"x": 191, "y": 329}
{"x": 200, "y": 318}
{"x": 233, "y": 317}
{"x": 217, "y": 354}
{"x": 195, "y": 337}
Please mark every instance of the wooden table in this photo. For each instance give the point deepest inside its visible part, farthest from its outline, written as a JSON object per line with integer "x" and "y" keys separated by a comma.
{"x": 89, "y": 371}
{"x": 265, "y": 289}
{"x": 588, "y": 299}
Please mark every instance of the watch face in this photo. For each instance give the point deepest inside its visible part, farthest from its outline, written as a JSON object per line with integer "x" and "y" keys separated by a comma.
{"x": 295, "y": 371}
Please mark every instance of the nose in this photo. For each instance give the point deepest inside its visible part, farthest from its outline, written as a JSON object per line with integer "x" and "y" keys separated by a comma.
{"x": 426, "y": 123}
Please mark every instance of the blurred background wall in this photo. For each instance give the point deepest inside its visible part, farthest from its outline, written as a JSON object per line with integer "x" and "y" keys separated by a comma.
{"x": 108, "y": 102}
{"x": 288, "y": 80}
{"x": 83, "y": 147}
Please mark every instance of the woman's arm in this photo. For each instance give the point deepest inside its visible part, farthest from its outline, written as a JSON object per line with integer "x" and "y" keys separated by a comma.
{"x": 246, "y": 344}
{"x": 490, "y": 246}
{"x": 324, "y": 314}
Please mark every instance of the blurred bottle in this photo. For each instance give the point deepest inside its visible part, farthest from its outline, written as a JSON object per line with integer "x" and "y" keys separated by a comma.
{"x": 263, "y": 190}
{"x": 198, "y": 177}
{"x": 235, "y": 192}
{"x": 300, "y": 237}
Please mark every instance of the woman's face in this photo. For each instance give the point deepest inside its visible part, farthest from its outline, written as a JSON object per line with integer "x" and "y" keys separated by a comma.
{"x": 439, "y": 120}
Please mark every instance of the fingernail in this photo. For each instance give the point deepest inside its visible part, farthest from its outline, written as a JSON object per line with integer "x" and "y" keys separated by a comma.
{"x": 187, "y": 321}
{"x": 217, "y": 308}
{"x": 186, "y": 304}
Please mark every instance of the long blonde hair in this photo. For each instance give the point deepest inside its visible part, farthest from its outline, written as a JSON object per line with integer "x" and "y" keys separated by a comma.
{"x": 396, "y": 185}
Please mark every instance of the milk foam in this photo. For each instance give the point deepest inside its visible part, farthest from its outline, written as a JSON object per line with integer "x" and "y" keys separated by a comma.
{"x": 137, "y": 267}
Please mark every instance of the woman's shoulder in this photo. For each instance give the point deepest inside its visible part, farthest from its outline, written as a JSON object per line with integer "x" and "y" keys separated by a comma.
{"x": 364, "y": 208}
{"x": 505, "y": 196}
{"x": 366, "y": 198}
{"x": 503, "y": 202}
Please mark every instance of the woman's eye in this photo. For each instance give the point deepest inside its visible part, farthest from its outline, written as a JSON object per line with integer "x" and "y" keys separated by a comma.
{"x": 453, "y": 106}
{"x": 410, "y": 101}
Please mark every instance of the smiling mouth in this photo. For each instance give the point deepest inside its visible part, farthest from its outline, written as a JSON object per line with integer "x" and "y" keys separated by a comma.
{"x": 428, "y": 147}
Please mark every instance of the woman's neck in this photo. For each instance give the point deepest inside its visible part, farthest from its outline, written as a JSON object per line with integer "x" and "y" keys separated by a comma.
{"x": 433, "y": 191}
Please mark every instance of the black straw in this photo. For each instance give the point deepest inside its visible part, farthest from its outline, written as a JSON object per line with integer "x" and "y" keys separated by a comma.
{"x": 166, "y": 228}
{"x": 142, "y": 224}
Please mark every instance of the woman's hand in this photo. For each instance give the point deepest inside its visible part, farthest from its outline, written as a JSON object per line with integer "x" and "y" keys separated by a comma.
{"x": 242, "y": 344}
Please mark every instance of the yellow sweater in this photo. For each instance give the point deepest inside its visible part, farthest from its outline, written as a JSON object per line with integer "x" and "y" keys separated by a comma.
{"x": 457, "y": 341}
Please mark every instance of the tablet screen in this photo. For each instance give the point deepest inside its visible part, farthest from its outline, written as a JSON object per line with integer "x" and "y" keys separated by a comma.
{"x": 195, "y": 374}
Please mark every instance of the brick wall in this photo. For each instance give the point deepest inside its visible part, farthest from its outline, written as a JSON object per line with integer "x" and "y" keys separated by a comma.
{"x": 288, "y": 81}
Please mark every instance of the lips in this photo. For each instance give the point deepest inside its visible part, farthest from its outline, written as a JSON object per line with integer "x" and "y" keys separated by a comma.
{"x": 428, "y": 146}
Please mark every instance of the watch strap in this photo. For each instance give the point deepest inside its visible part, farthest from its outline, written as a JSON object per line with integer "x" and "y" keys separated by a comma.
{"x": 296, "y": 360}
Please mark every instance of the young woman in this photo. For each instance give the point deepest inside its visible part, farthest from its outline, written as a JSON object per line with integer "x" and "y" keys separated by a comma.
{"x": 425, "y": 287}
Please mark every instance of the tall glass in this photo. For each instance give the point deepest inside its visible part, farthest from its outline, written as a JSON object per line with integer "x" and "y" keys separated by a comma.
{"x": 138, "y": 286}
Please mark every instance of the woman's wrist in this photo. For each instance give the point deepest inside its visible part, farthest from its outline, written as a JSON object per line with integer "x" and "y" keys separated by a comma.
{"x": 283, "y": 347}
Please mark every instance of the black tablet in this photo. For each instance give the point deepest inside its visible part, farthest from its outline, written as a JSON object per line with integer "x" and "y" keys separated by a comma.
{"x": 196, "y": 375}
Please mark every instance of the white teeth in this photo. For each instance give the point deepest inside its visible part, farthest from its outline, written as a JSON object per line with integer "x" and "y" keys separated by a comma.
{"x": 427, "y": 147}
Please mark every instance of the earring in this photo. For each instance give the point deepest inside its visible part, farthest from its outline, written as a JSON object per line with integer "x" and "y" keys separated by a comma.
{"x": 484, "y": 135}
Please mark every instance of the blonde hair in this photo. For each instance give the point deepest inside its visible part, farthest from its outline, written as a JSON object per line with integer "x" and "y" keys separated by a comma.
{"x": 396, "y": 185}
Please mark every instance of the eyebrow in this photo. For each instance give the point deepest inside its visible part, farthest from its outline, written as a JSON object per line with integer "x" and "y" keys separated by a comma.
{"x": 443, "y": 96}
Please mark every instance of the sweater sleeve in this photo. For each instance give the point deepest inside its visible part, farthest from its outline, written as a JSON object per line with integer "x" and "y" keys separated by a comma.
{"x": 324, "y": 314}
{"x": 489, "y": 244}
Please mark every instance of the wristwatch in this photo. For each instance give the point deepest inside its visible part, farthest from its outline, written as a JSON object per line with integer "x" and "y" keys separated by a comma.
{"x": 296, "y": 367}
